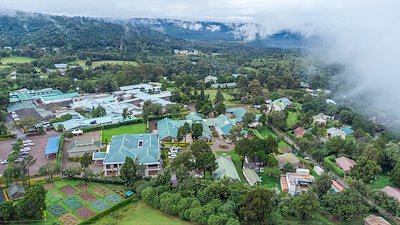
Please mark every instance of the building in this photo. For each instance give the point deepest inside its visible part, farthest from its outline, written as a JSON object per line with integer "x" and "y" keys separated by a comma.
{"x": 251, "y": 176}
{"x": 224, "y": 85}
{"x": 74, "y": 124}
{"x": 65, "y": 97}
{"x": 210, "y": 79}
{"x": 281, "y": 104}
{"x": 392, "y": 192}
{"x": 15, "y": 191}
{"x": 321, "y": 118}
{"x": 345, "y": 163}
{"x": 336, "y": 187}
{"x": 236, "y": 113}
{"x": 82, "y": 146}
{"x": 287, "y": 158}
{"x": 375, "y": 220}
{"x": 28, "y": 96}
{"x": 148, "y": 88}
{"x": 168, "y": 129}
{"x": 299, "y": 132}
{"x": 334, "y": 132}
{"x": 61, "y": 68}
{"x": 142, "y": 147}
{"x": 53, "y": 144}
{"x": 226, "y": 168}
{"x": 296, "y": 183}
{"x": 318, "y": 170}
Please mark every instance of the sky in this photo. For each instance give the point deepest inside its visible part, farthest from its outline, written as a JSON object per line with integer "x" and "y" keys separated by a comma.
{"x": 361, "y": 34}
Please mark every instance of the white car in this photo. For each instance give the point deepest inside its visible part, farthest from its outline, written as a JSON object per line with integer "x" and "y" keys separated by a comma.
{"x": 29, "y": 144}
{"x": 4, "y": 162}
{"x": 27, "y": 141}
{"x": 19, "y": 160}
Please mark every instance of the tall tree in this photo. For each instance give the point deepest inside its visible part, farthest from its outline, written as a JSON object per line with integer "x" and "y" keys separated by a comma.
{"x": 256, "y": 207}
{"x": 220, "y": 108}
{"x": 26, "y": 164}
{"x": 33, "y": 204}
{"x": 255, "y": 88}
{"x": 306, "y": 205}
{"x": 236, "y": 133}
{"x": 322, "y": 185}
{"x": 197, "y": 130}
{"x": 85, "y": 161}
{"x": 99, "y": 111}
{"x": 249, "y": 117}
{"x": 263, "y": 119}
{"x": 367, "y": 166}
{"x": 348, "y": 204}
{"x": 206, "y": 162}
{"x": 219, "y": 97}
{"x": 244, "y": 148}
{"x": 198, "y": 147}
{"x": 130, "y": 171}
{"x": 125, "y": 113}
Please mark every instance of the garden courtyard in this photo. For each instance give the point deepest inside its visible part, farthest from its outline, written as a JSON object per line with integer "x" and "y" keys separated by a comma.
{"x": 71, "y": 202}
{"x": 137, "y": 128}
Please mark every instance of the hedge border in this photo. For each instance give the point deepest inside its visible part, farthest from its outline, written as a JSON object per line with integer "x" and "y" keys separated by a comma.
{"x": 328, "y": 163}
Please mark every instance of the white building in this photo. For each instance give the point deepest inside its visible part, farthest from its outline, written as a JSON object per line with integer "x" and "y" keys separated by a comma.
{"x": 335, "y": 132}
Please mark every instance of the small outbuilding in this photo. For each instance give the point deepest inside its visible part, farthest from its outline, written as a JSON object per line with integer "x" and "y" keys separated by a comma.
{"x": 82, "y": 146}
{"x": 287, "y": 158}
{"x": 52, "y": 146}
{"x": 251, "y": 176}
{"x": 375, "y": 220}
{"x": 226, "y": 168}
{"x": 15, "y": 191}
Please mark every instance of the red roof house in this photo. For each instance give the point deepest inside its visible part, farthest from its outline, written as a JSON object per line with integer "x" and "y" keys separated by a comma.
{"x": 393, "y": 192}
{"x": 345, "y": 163}
{"x": 299, "y": 132}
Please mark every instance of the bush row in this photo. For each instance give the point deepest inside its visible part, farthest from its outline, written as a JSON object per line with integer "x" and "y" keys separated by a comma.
{"x": 7, "y": 136}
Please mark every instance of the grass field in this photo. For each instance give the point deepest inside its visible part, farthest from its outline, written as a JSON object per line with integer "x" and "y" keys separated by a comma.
{"x": 139, "y": 214}
{"x": 265, "y": 132}
{"x": 270, "y": 182}
{"x": 292, "y": 118}
{"x": 236, "y": 160}
{"x": 99, "y": 63}
{"x": 138, "y": 128}
{"x": 15, "y": 59}
{"x": 228, "y": 98}
{"x": 381, "y": 182}
{"x": 70, "y": 202}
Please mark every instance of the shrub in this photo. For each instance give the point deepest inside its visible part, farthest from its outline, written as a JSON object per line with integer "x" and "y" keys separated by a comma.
{"x": 328, "y": 163}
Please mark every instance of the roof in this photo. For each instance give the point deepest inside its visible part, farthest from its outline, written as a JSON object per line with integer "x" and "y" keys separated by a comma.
{"x": 168, "y": 128}
{"x": 393, "y": 192}
{"x": 83, "y": 145}
{"x": 238, "y": 112}
{"x": 14, "y": 189}
{"x": 18, "y": 106}
{"x": 251, "y": 176}
{"x": 52, "y": 145}
{"x": 345, "y": 163}
{"x": 60, "y": 96}
{"x": 128, "y": 145}
{"x": 337, "y": 185}
{"x": 299, "y": 132}
{"x": 333, "y": 131}
{"x": 194, "y": 116}
{"x": 226, "y": 168}
{"x": 281, "y": 103}
{"x": 99, "y": 155}
{"x": 81, "y": 123}
{"x": 25, "y": 94}
{"x": 286, "y": 158}
{"x": 223, "y": 85}
{"x": 375, "y": 220}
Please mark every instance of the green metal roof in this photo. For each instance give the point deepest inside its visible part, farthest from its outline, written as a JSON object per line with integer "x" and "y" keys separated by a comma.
{"x": 194, "y": 116}
{"x": 61, "y": 96}
{"x": 238, "y": 112}
{"x": 226, "y": 168}
{"x": 18, "y": 106}
{"x": 128, "y": 145}
{"x": 82, "y": 146}
{"x": 169, "y": 128}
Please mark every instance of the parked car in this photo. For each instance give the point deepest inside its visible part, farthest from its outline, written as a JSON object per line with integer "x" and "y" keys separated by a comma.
{"x": 4, "y": 162}
{"x": 29, "y": 144}
{"x": 27, "y": 148}
{"x": 26, "y": 141}
{"x": 19, "y": 160}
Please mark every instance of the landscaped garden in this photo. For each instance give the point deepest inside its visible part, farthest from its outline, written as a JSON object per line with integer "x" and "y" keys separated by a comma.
{"x": 265, "y": 132}
{"x": 292, "y": 118}
{"x": 70, "y": 202}
{"x": 137, "y": 128}
{"x": 381, "y": 182}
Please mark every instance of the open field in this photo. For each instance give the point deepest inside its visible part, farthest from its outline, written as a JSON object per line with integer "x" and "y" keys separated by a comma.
{"x": 265, "y": 132}
{"x": 139, "y": 214}
{"x": 99, "y": 63}
{"x": 381, "y": 182}
{"x": 70, "y": 202}
{"x": 270, "y": 182}
{"x": 236, "y": 160}
{"x": 228, "y": 98}
{"x": 292, "y": 118}
{"x": 15, "y": 59}
{"x": 138, "y": 128}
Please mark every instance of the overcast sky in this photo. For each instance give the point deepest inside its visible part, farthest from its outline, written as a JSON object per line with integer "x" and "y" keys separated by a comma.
{"x": 361, "y": 34}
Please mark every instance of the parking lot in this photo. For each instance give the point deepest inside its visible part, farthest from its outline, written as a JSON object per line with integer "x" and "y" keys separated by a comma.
{"x": 37, "y": 151}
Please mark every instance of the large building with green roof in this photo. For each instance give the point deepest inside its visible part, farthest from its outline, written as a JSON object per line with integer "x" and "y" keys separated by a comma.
{"x": 142, "y": 147}
{"x": 226, "y": 168}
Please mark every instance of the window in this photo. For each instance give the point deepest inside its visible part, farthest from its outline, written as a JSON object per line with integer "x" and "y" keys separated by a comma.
{"x": 115, "y": 165}
{"x": 140, "y": 144}
{"x": 108, "y": 166}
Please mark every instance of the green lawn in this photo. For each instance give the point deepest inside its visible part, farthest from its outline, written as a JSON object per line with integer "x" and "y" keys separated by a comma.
{"x": 139, "y": 214}
{"x": 236, "y": 160}
{"x": 381, "y": 182}
{"x": 228, "y": 98}
{"x": 138, "y": 128}
{"x": 16, "y": 59}
{"x": 265, "y": 132}
{"x": 292, "y": 118}
{"x": 270, "y": 182}
{"x": 99, "y": 63}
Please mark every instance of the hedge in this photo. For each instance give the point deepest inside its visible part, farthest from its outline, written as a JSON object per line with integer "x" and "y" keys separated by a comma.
{"x": 60, "y": 149}
{"x": 305, "y": 161}
{"x": 7, "y": 136}
{"x": 109, "y": 210}
{"x": 328, "y": 163}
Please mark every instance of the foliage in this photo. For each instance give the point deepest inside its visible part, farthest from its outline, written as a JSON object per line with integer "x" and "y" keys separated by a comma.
{"x": 131, "y": 171}
{"x": 322, "y": 185}
{"x": 306, "y": 205}
{"x": 197, "y": 130}
{"x": 367, "y": 166}
{"x": 85, "y": 161}
{"x": 33, "y": 204}
{"x": 346, "y": 205}
{"x": 248, "y": 118}
{"x": 99, "y": 205}
{"x": 98, "y": 111}
{"x": 328, "y": 163}
{"x": 113, "y": 198}
{"x": 256, "y": 207}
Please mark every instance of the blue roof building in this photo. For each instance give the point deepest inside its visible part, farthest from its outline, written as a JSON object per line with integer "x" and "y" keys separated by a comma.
{"x": 238, "y": 113}
{"x": 52, "y": 146}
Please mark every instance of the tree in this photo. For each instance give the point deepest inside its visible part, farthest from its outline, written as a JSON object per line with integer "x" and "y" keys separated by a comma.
{"x": 235, "y": 133}
{"x": 150, "y": 109}
{"x": 7, "y": 211}
{"x": 71, "y": 172}
{"x": 126, "y": 113}
{"x": 256, "y": 207}
{"x": 175, "y": 110}
{"x": 263, "y": 119}
{"x": 131, "y": 171}
{"x": 348, "y": 204}
{"x": 33, "y": 204}
{"x": 243, "y": 85}
{"x": 198, "y": 147}
{"x": 322, "y": 185}
{"x": 306, "y": 205}
{"x": 277, "y": 119}
{"x": 26, "y": 164}
{"x": 206, "y": 162}
{"x": 85, "y": 161}
{"x": 256, "y": 88}
{"x": 197, "y": 130}
{"x": 220, "y": 108}
{"x": 179, "y": 135}
{"x": 186, "y": 129}
{"x": 219, "y": 97}
{"x": 395, "y": 174}
{"x": 50, "y": 169}
{"x": 249, "y": 117}
{"x": 28, "y": 122}
{"x": 99, "y": 111}
{"x": 346, "y": 116}
{"x": 367, "y": 166}
{"x": 244, "y": 148}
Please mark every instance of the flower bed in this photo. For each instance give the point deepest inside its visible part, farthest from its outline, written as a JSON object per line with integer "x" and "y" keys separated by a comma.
{"x": 87, "y": 196}
{"x": 69, "y": 219}
{"x": 85, "y": 213}
{"x": 68, "y": 190}
{"x": 102, "y": 191}
{"x": 57, "y": 210}
{"x": 113, "y": 198}
{"x": 53, "y": 196}
{"x": 73, "y": 203}
{"x": 99, "y": 205}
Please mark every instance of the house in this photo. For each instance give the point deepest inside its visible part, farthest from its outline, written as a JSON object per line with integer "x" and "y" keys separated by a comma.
{"x": 15, "y": 191}
{"x": 296, "y": 183}
{"x": 210, "y": 78}
{"x": 61, "y": 68}
{"x": 299, "y": 132}
{"x": 236, "y": 113}
{"x": 281, "y": 104}
{"x": 226, "y": 168}
{"x": 251, "y": 176}
{"x": 142, "y": 147}
{"x": 375, "y": 220}
{"x": 334, "y": 132}
{"x": 330, "y": 101}
{"x": 82, "y": 146}
{"x": 345, "y": 163}
{"x": 318, "y": 170}
{"x": 287, "y": 158}
{"x": 53, "y": 145}
{"x": 224, "y": 85}
{"x": 392, "y": 192}
{"x": 168, "y": 129}
{"x": 336, "y": 187}
{"x": 321, "y": 118}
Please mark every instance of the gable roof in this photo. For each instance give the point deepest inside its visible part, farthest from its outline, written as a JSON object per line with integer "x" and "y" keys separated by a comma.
{"x": 393, "y": 192}
{"x": 299, "y": 132}
{"x": 84, "y": 145}
{"x": 286, "y": 158}
{"x": 128, "y": 145}
{"x": 169, "y": 128}
{"x": 345, "y": 163}
{"x": 251, "y": 176}
{"x": 281, "y": 103}
{"x": 226, "y": 168}
{"x": 238, "y": 112}
{"x": 52, "y": 145}
{"x": 194, "y": 116}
